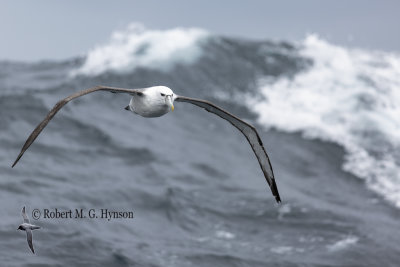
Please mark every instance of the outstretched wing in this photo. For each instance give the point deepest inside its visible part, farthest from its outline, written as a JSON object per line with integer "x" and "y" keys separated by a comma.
{"x": 29, "y": 239}
{"x": 248, "y": 131}
{"x": 26, "y": 220}
{"x": 60, "y": 104}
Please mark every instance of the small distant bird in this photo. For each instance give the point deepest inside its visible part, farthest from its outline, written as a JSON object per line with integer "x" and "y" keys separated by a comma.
{"x": 158, "y": 100}
{"x": 27, "y": 227}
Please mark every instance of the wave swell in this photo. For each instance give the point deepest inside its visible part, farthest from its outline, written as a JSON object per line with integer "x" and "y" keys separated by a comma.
{"x": 350, "y": 97}
{"x": 137, "y": 46}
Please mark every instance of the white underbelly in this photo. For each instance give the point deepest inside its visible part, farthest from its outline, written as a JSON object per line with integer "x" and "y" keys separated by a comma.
{"x": 149, "y": 110}
{"x": 153, "y": 112}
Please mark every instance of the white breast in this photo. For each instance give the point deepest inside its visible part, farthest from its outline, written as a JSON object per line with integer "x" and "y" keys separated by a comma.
{"x": 150, "y": 104}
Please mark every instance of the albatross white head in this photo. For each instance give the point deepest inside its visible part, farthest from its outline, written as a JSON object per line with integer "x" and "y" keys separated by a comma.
{"x": 152, "y": 102}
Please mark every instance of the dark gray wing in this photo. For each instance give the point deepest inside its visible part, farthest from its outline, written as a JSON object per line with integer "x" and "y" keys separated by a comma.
{"x": 26, "y": 220}
{"x": 60, "y": 104}
{"x": 29, "y": 239}
{"x": 248, "y": 131}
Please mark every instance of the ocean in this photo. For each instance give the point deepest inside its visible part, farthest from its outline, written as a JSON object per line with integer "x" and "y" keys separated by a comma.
{"x": 328, "y": 117}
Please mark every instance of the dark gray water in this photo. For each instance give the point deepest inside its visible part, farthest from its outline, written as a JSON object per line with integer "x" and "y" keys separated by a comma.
{"x": 196, "y": 191}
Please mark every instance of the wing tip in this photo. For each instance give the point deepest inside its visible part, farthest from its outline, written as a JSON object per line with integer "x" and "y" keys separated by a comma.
{"x": 17, "y": 159}
{"x": 15, "y": 162}
{"x": 275, "y": 192}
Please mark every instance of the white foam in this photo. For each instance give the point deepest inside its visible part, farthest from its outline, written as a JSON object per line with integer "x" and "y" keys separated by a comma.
{"x": 348, "y": 96}
{"x": 343, "y": 243}
{"x": 282, "y": 250}
{"x": 137, "y": 46}
{"x": 283, "y": 210}
{"x": 224, "y": 234}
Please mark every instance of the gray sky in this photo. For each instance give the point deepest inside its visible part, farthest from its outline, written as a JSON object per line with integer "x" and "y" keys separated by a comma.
{"x": 53, "y": 29}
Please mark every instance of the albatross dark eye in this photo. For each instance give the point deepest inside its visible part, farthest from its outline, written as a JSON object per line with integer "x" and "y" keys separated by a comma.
{"x": 162, "y": 94}
{"x": 139, "y": 93}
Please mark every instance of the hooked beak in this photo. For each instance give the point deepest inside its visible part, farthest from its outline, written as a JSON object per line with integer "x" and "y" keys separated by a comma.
{"x": 168, "y": 100}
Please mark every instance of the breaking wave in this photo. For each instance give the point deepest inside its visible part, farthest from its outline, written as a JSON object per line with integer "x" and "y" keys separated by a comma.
{"x": 136, "y": 47}
{"x": 350, "y": 97}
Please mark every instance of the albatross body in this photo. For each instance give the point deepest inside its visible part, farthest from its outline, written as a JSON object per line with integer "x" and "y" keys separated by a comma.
{"x": 156, "y": 101}
{"x": 149, "y": 104}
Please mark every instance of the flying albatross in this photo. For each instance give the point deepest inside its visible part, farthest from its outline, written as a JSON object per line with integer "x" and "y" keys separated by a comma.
{"x": 158, "y": 100}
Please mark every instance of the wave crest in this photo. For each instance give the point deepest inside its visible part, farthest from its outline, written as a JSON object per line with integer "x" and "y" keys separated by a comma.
{"x": 137, "y": 46}
{"x": 350, "y": 97}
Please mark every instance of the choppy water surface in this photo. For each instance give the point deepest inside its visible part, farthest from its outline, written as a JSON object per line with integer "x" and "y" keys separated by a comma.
{"x": 328, "y": 117}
